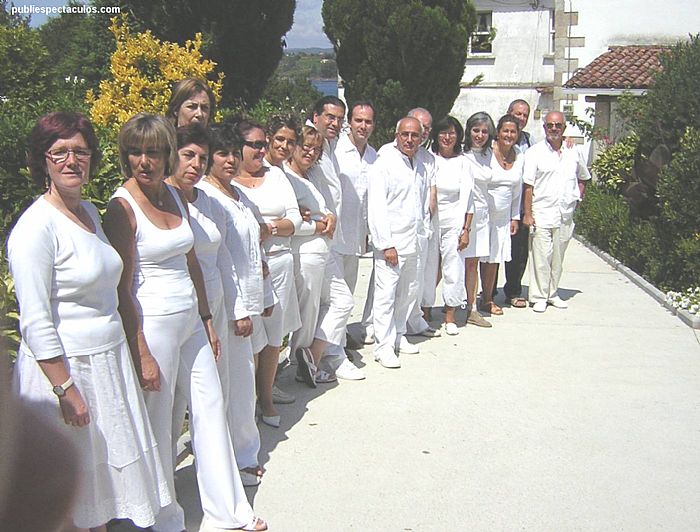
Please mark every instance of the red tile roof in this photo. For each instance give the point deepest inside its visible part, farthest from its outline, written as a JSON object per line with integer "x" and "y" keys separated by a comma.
{"x": 621, "y": 67}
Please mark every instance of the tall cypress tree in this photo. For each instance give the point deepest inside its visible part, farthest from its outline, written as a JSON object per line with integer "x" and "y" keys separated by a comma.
{"x": 400, "y": 53}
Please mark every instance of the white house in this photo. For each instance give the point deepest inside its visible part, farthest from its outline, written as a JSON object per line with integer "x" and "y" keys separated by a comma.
{"x": 529, "y": 49}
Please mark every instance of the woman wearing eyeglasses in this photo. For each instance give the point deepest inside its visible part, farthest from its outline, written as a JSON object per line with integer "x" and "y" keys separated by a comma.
{"x": 275, "y": 204}
{"x": 73, "y": 368}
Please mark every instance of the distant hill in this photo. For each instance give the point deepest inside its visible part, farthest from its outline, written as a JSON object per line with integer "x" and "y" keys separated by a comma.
{"x": 327, "y": 51}
{"x": 308, "y": 63}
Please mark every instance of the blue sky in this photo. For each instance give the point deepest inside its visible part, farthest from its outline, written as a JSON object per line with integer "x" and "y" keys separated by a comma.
{"x": 306, "y": 32}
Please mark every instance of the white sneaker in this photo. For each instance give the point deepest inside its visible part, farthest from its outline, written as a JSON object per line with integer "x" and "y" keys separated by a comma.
{"x": 369, "y": 335}
{"x": 387, "y": 358}
{"x": 539, "y": 306}
{"x": 558, "y": 302}
{"x": 451, "y": 329}
{"x": 349, "y": 371}
{"x": 407, "y": 348}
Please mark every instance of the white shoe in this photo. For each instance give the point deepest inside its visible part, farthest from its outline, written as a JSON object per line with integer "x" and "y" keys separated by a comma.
{"x": 558, "y": 302}
{"x": 387, "y": 358}
{"x": 539, "y": 306}
{"x": 451, "y": 329}
{"x": 349, "y": 371}
{"x": 407, "y": 348}
{"x": 369, "y": 335}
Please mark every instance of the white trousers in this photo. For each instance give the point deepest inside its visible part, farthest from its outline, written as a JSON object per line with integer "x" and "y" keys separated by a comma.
{"x": 432, "y": 264}
{"x": 547, "y": 248}
{"x": 453, "y": 292}
{"x": 181, "y": 348}
{"x": 395, "y": 294}
{"x": 367, "y": 318}
{"x": 415, "y": 323}
{"x": 237, "y": 373}
{"x": 325, "y": 303}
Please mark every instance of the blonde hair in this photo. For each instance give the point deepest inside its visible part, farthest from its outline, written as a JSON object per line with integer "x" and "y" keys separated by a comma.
{"x": 148, "y": 131}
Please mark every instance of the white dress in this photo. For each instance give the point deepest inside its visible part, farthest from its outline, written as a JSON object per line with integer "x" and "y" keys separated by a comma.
{"x": 504, "y": 206}
{"x": 479, "y": 238}
{"x": 66, "y": 281}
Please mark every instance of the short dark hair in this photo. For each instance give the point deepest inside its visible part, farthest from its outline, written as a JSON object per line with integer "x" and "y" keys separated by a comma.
{"x": 277, "y": 122}
{"x": 225, "y": 137}
{"x": 326, "y": 100}
{"x": 519, "y": 101}
{"x": 194, "y": 134}
{"x": 444, "y": 125}
{"x": 362, "y": 103}
{"x": 185, "y": 89}
{"x": 48, "y": 129}
{"x": 506, "y": 119}
{"x": 244, "y": 125}
{"x": 478, "y": 118}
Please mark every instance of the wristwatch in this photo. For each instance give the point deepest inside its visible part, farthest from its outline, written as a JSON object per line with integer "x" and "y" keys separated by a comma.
{"x": 60, "y": 389}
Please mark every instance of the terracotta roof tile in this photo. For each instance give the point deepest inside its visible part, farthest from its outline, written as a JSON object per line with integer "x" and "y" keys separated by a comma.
{"x": 621, "y": 67}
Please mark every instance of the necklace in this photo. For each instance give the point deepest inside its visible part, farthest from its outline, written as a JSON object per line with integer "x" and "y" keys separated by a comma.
{"x": 217, "y": 184}
{"x": 158, "y": 200}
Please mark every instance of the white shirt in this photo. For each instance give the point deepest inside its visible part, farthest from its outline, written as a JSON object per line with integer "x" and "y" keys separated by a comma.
{"x": 554, "y": 177}
{"x": 242, "y": 239}
{"x": 398, "y": 201}
{"x": 324, "y": 176}
{"x": 354, "y": 170}
{"x": 454, "y": 184}
{"x": 272, "y": 200}
{"x": 504, "y": 190}
{"x": 66, "y": 283}
{"x": 304, "y": 239}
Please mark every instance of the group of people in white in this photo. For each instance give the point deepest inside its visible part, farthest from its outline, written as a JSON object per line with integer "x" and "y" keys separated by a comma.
{"x": 224, "y": 240}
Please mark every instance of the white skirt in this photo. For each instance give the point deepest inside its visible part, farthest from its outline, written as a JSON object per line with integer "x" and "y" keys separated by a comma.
{"x": 479, "y": 237}
{"x": 499, "y": 238}
{"x": 120, "y": 471}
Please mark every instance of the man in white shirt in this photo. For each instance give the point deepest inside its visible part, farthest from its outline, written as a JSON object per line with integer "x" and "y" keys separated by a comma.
{"x": 398, "y": 213}
{"x": 355, "y": 157}
{"x": 554, "y": 178}
{"x": 327, "y": 118}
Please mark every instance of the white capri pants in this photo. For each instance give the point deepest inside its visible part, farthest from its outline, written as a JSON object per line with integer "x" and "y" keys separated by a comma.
{"x": 395, "y": 293}
{"x": 432, "y": 264}
{"x": 181, "y": 348}
{"x": 453, "y": 292}
{"x": 547, "y": 248}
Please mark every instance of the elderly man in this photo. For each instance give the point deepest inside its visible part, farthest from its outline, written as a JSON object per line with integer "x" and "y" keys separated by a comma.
{"x": 554, "y": 178}
{"x": 515, "y": 268}
{"x": 398, "y": 212}
{"x": 327, "y": 118}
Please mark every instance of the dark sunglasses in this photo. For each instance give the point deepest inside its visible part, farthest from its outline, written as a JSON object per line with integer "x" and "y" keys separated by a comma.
{"x": 257, "y": 145}
{"x": 554, "y": 125}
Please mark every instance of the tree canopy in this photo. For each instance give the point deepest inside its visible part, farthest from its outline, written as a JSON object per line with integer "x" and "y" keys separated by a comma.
{"x": 400, "y": 53}
{"x": 245, "y": 38}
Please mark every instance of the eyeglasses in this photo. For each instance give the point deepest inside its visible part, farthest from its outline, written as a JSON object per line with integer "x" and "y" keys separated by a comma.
{"x": 331, "y": 118}
{"x": 554, "y": 125}
{"x": 256, "y": 145}
{"x": 306, "y": 148}
{"x": 61, "y": 155}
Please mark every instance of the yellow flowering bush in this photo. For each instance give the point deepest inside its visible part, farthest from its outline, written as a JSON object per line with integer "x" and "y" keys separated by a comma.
{"x": 143, "y": 71}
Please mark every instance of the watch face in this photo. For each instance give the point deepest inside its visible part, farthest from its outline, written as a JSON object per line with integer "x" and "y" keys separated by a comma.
{"x": 59, "y": 391}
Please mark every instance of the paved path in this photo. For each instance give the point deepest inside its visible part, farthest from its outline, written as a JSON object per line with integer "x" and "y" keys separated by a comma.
{"x": 578, "y": 419}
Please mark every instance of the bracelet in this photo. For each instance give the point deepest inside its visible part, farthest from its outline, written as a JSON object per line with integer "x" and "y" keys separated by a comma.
{"x": 206, "y": 317}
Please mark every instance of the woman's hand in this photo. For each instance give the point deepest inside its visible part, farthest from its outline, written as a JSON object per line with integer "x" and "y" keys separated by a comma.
{"x": 320, "y": 227}
{"x": 330, "y": 221}
{"x": 149, "y": 374}
{"x": 213, "y": 337}
{"x": 463, "y": 240}
{"x": 243, "y": 327}
{"x": 514, "y": 227}
{"x": 268, "y": 311}
{"x": 73, "y": 407}
{"x": 305, "y": 214}
{"x": 265, "y": 270}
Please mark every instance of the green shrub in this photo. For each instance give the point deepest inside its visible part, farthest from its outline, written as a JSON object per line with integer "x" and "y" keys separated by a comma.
{"x": 613, "y": 167}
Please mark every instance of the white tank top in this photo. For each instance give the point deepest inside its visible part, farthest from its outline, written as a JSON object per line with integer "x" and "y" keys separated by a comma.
{"x": 161, "y": 282}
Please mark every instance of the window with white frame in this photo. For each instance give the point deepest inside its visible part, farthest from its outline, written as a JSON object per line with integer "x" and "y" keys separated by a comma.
{"x": 551, "y": 32}
{"x": 482, "y": 37}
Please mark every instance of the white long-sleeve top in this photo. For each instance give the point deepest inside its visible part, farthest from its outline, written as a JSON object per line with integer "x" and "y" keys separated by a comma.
{"x": 480, "y": 169}
{"x": 504, "y": 190}
{"x": 554, "y": 176}
{"x": 241, "y": 237}
{"x": 272, "y": 200}
{"x": 324, "y": 176}
{"x": 353, "y": 174}
{"x": 208, "y": 221}
{"x": 66, "y": 283}
{"x": 398, "y": 201}
{"x": 305, "y": 240}
{"x": 455, "y": 184}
